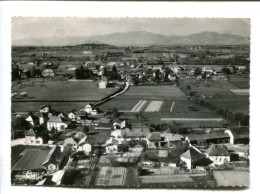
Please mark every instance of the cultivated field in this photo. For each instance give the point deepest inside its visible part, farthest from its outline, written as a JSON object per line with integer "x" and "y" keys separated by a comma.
{"x": 231, "y": 178}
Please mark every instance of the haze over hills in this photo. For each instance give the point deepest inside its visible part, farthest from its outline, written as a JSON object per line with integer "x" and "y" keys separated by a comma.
{"x": 138, "y": 38}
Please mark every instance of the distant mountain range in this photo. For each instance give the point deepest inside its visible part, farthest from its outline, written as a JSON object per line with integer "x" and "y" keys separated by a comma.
{"x": 138, "y": 38}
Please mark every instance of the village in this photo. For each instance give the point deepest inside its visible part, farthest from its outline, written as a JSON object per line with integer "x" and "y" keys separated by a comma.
{"x": 130, "y": 116}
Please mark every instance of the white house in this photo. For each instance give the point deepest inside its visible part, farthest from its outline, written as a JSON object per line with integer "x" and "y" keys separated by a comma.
{"x": 112, "y": 146}
{"x": 30, "y": 137}
{"x": 48, "y": 73}
{"x": 71, "y": 115}
{"x": 58, "y": 123}
{"x": 194, "y": 157}
{"x": 85, "y": 147}
{"x": 218, "y": 154}
{"x": 45, "y": 108}
{"x": 88, "y": 108}
{"x": 208, "y": 69}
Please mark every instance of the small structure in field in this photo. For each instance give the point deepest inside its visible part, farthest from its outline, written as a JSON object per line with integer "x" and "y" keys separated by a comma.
{"x": 48, "y": 73}
{"x": 103, "y": 83}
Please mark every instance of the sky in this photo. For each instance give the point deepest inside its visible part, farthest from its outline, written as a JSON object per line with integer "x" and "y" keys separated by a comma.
{"x": 27, "y": 27}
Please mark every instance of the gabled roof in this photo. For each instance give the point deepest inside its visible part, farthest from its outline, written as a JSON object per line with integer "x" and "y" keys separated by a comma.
{"x": 217, "y": 150}
{"x": 43, "y": 106}
{"x": 240, "y": 132}
{"x": 58, "y": 119}
{"x": 154, "y": 136}
{"x": 193, "y": 154}
{"x": 69, "y": 141}
{"x": 172, "y": 137}
{"x": 30, "y": 133}
{"x": 33, "y": 117}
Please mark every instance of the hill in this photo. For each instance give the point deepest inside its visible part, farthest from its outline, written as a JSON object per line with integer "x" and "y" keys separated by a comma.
{"x": 138, "y": 38}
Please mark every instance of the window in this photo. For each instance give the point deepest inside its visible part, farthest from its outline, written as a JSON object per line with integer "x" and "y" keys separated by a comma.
{"x": 220, "y": 159}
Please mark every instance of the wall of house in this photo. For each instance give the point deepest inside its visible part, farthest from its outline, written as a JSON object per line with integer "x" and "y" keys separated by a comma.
{"x": 45, "y": 110}
{"x": 188, "y": 162}
{"x": 58, "y": 126}
{"x": 71, "y": 116}
{"x": 30, "y": 140}
{"x": 218, "y": 160}
{"x": 111, "y": 148}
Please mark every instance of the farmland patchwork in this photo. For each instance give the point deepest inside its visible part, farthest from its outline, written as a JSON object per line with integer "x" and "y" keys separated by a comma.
{"x": 154, "y": 106}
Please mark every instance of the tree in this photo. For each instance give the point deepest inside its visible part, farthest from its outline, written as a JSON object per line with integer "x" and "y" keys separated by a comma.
{"x": 33, "y": 71}
{"x": 68, "y": 150}
{"x": 157, "y": 76}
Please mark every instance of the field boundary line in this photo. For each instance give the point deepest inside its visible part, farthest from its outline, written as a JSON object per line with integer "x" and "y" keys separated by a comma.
{"x": 191, "y": 119}
{"x": 172, "y": 106}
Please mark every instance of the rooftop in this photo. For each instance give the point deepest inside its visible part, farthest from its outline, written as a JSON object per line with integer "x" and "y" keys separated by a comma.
{"x": 217, "y": 150}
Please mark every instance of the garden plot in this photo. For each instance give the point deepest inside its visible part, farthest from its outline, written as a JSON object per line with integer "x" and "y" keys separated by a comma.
{"x": 154, "y": 106}
{"x": 138, "y": 107}
{"x": 240, "y": 92}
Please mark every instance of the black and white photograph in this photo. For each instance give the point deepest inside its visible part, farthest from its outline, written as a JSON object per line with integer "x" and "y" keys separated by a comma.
{"x": 114, "y": 102}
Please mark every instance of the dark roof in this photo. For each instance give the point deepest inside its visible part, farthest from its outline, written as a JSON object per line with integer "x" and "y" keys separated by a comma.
{"x": 32, "y": 158}
{"x": 34, "y": 118}
{"x": 193, "y": 154}
{"x": 29, "y": 133}
{"x": 194, "y": 137}
{"x": 80, "y": 113}
{"x": 217, "y": 150}
{"x": 58, "y": 119}
{"x": 154, "y": 136}
{"x": 240, "y": 132}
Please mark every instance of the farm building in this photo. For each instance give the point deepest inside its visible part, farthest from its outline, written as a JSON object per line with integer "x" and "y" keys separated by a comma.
{"x": 163, "y": 140}
{"x": 194, "y": 157}
{"x": 137, "y": 130}
{"x": 48, "y": 73}
{"x": 218, "y": 154}
{"x": 208, "y": 138}
{"x": 239, "y": 135}
{"x": 208, "y": 69}
{"x": 103, "y": 83}
{"x": 71, "y": 115}
{"x": 31, "y": 162}
{"x": 58, "y": 123}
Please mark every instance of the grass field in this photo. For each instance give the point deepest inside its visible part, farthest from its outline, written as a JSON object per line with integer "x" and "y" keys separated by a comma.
{"x": 59, "y": 106}
{"x": 231, "y": 178}
{"x": 222, "y": 93}
{"x": 61, "y": 95}
{"x": 64, "y": 91}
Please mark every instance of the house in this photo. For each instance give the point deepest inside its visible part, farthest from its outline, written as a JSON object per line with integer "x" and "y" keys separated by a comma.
{"x": 116, "y": 125}
{"x": 85, "y": 147}
{"x": 33, "y": 120}
{"x": 30, "y": 137}
{"x": 218, "y": 154}
{"x": 240, "y": 68}
{"x": 32, "y": 162}
{"x": 208, "y": 138}
{"x": 112, "y": 145}
{"x": 58, "y": 123}
{"x": 72, "y": 142}
{"x": 42, "y": 117}
{"x": 71, "y": 115}
{"x": 88, "y": 108}
{"x": 194, "y": 157}
{"x": 163, "y": 140}
{"x": 103, "y": 83}
{"x": 238, "y": 135}
{"x": 45, "y": 108}
{"x": 53, "y": 160}
{"x": 208, "y": 69}
{"x": 79, "y": 115}
{"x": 48, "y": 73}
